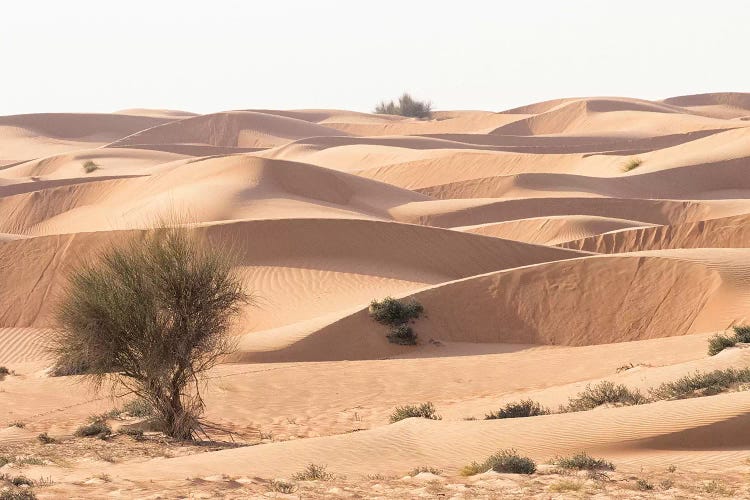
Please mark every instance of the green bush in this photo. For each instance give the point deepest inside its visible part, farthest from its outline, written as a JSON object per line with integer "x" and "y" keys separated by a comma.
{"x": 402, "y": 335}
{"x": 632, "y": 164}
{"x": 97, "y": 429}
{"x": 604, "y": 392}
{"x": 393, "y": 312}
{"x": 582, "y": 461}
{"x": 505, "y": 461}
{"x": 425, "y": 410}
{"x": 89, "y": 166}
{"x": 431, "y": 470}
{"x": 701, "y": 384}
{"x": 21, "y": 481}
{"x": 742, "y": 334}
{"x": 313, "y": 472}
{"x": 525, "y": 408}
{"x": 719, "y": 342}
{"x": 407, "y": 106}
{"x": 644, "y": 485}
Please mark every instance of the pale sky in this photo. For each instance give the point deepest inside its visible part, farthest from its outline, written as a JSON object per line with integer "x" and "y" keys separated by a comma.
{"x": 213, "y": 55}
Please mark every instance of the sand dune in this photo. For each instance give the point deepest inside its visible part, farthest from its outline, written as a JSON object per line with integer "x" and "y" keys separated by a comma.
{"x": 553, "y": 245}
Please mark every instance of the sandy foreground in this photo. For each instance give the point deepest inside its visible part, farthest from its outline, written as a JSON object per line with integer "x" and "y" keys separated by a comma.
{"x": 552, "y": 246}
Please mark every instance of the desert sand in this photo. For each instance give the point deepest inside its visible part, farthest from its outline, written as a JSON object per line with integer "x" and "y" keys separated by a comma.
{"x": 554, "y": 245}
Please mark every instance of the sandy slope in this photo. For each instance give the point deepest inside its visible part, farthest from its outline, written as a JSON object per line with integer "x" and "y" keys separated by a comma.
{"x": 543, "y": 264}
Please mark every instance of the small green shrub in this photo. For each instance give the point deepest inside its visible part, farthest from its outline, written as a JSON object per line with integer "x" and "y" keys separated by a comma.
{"x": 313, "y": 472}
{"x": 525, "y": 408}
{"x": 44, "y": 438}
{"x": 95, "y": 429}
{"x": 604, "y": 392}
{"x": 284, "y": 487}
{"x": 644, "y": 485}
{"x": 719, "y": 342}
{"x": 505, "y": 461}
{"x": 632, "y": 164}
{"x": 138, "y": 408}
{"x": 402, "y": 335}
{"x": 89, "y": 166}
{"x": 407, "y": 106}
{"x": 742, "y": 334}
{"x": 393, "y": 312}
{"x": 701, "y": 384}
{"x": 425, "y": 410}
{"x": 21, "y": 481}
{"x": 431, "y": 470}
{"x": 582, "y": 461}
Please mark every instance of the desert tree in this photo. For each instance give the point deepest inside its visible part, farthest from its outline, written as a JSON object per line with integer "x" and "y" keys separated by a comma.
{"x": 152, "y": 316}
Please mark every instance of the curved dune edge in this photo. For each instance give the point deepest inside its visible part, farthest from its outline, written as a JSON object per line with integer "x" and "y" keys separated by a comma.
{"x": 343, "y": 253}
{"x": 629, "y": 433}
{"x": 584, "y": 301}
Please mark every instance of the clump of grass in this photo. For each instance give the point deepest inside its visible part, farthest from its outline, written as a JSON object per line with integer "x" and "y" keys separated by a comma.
{"x": 21, "y": 481}
{"x": 625, "y": 367}
{"x": 138, "y": 408}
{"x": 701, "y": 384}
{"x": 742, "y": 334}
{"x": 45, "y": 438}
{"x": 424, "y": 410}
{"x": 284, "y": 487}
{"x": 431, "y": 470}
{"x": 666, "y": 484}
{"x": 313, "y": 472}
{"x": 644, "y": 485}
{"x": 402, "y": 335}
{"x": 632, "y": 164}
{"x": 604, "y": 392}
{"x": 136, "y": 434}
{"x": 504, "y": 461}
{"x": 519, "y": 409}
{"x": 566, "y": 485}
{"x": 719, "y": 342}
{"x": 407, "y": 106}
{"x": 582, "y": 461}
{"x": 89, "y": 166}
{"x": 95, "y": 429}
{"x": 715, "y": 487}
{"x": 17, "y": 423}
{"x": 4, "y": 372}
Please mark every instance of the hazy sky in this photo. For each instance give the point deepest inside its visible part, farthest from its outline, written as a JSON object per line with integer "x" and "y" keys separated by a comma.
{"x": 206, "y": 56}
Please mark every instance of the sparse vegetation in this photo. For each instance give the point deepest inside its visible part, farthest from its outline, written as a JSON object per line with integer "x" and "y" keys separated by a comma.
{"x": 284, "y": 487}
{"x": 89, "y": 166}
{"x": 644, "y": 485}
{"x": 21, "y": 481}
{"x": 565, "y": 486}
{"x": 17, "y": 423}
{"x": 406, "y": 106}
{"x": 17, "y": 494}
{"x": 313, "y": 472}
{"x": 95, "y": 429}
{"x": 604, "y": 392}
{"x": 138, "y": 408}
{"x": 701, "y": 384}
{"x": 4, "y": 372}
{"x": 666, "y": 484}
{"x": 525, "y": 408}
{"x": 424, "y": 410}
{"x": 505, "y": 461}
{"x": 719, "y": 342}
{"x": 582, "y": 461}
{"x": 397, "y": 314}
{"x": 625, "y": 367}
{"x": 431, "y": 470}
{"x": 152, "y": 317}
{"x": 632, "y": 164}
{"x": 44, "y": 438}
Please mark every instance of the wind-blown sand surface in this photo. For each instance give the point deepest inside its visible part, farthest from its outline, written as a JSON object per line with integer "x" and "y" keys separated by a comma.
{"x": 555, "y": 245}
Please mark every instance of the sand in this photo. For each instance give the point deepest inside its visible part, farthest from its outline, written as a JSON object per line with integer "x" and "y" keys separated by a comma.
{"x": 554, "y": 245}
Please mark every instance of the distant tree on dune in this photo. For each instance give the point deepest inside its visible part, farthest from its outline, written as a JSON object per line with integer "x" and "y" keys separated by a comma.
{"x": 407, "y": 106}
